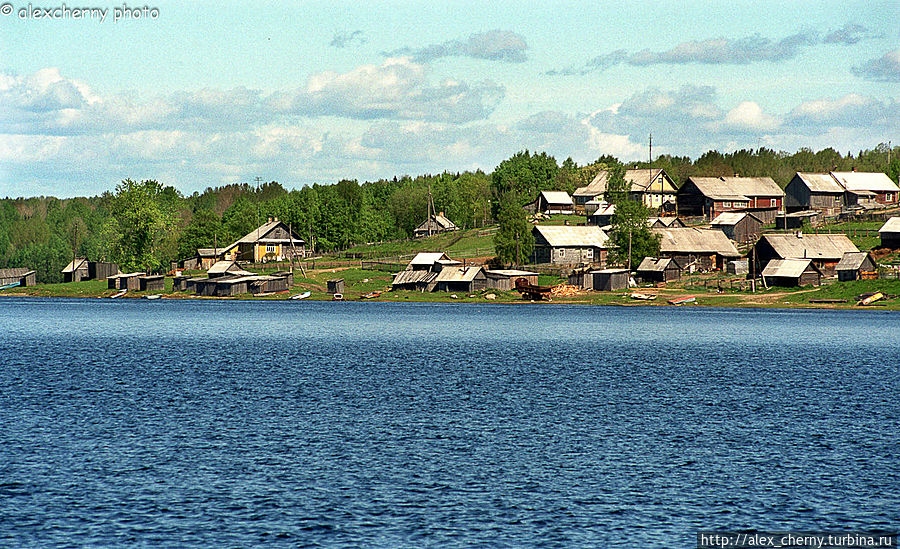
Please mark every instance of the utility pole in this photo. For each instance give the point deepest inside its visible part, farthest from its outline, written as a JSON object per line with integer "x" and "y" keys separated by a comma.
{"x": 429, "y": 210}
{"x": 256, "y": 244}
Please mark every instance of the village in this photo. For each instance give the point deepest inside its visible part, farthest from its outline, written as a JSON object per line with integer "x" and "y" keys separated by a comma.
{"x": 717, "y": 235}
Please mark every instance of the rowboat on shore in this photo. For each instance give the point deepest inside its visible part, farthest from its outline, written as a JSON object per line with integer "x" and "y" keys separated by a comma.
{"x": 682, "y": 300}
{"x": 643, "y": 296}
{"x": 153, "y": 296}
{"x": 304, "y": 295}
{"x": 371, "y": 295}
{"x": 337, "y": 297}
{"x": 870, "y": 299}
{"x": 118, "y": 294}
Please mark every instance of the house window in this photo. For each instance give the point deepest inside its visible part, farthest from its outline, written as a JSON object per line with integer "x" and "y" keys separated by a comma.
{"x": 726, "y": 204}
{"x": 589, "y": 253}
{"x": 270, "y": 248}
{"x": 774, "y": 203}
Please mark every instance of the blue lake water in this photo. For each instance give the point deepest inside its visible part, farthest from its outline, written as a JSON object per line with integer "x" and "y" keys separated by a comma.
{"x": 228, "y": 423}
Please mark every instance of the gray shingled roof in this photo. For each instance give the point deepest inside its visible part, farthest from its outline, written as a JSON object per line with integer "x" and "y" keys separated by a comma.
{"x": 788, "y": 268}
{"x": 815, "y": 246}
{"x": 892, "y": 225}
{"x": 457, "y": 274}
{"x": 820, "y": 182}
{"x": 851, "y": 261}
{"x": 688, "y": 240}
{"x": 580, "y": 236}
{"x": 652, "y": 264}
{"x": 640, "y": 180}
{"x": 737, "y": 188}
{"x": 557, "y": 197}
{"x": 865, "y": 181}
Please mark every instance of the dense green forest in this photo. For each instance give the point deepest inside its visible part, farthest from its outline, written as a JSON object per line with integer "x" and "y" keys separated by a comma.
{"x": 143, "y": 225}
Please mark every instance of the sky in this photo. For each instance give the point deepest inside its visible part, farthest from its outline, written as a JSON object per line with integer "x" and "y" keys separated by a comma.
{"x": 202, "y": 94}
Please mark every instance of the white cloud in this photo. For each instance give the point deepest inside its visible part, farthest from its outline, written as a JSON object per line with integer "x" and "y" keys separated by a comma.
{"x": 495, "y": 45}
{"x": 749, "y": 116}
{"x": 883, "y": 69}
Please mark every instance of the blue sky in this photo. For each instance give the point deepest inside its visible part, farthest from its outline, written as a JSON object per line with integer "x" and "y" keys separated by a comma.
{"x": 198, "y": 94}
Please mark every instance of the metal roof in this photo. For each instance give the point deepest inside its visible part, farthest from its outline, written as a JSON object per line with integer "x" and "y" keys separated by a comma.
{"x": 640, "y": 180}
{"x": 737, "y": 188}
{"x": 557, "y": 197}
{"x": 731, "y": 218}
{"x": 788, "y": 268}
{"x": 428, "y": 258}
{"x": 852, "y": 261}
{"x": 815, "y": 246}
{"x": 820, "y": 182}
{"x": 458, "y": 274}
{"x": 866, "y": 181}
{"x": 687, "y": 240}
{"x": 652, "y": 264}
{"x": 892, "y": 225}
{"x": 580, "y": 236}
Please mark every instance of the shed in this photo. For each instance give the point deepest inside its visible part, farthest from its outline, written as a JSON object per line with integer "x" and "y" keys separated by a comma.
{"x": 460, "y": 279}
{"x": 76, "y": 271}
{"x": 610, "y": 280}
{"x": 505, "y": 279}
{"x": 288, "y": 276}
{"x": 152, "y": 283}
{"x": 336, "y": 286}
{"x": 792, "y": 272}
{"x": 21, "y": 276}
{"x": 438, "y": 223}
{"x": 654, "y": 269}
{"x": 819, "y": 192}
{"x": 696, "y": 248}
{"x": 229, "y": 286}
{"x": 554, "y": 202}
{"x": 797, "y": 220}
{"x": 890, "y": 233}
{"x": 824, "y": 249}
{"x": 410, "y": 279}
{"x": 124, "y": 281}
{"x": 226, "y": 268}
{"x": 739, "y": 226}
{"x": 180, "y": 283}
{"x": 101, "y": 270}
{"x": 856, "y": 266}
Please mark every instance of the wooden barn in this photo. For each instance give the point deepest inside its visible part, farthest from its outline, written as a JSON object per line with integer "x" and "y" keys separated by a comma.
{"x": 696, "y": 249}
{"x": 610, "y": 280}
{"x": 20, "y": 276}
{"x": 814, "y": 191}
{"x": 436, "y": 225}
{"x": 76, "y": 271}
{"x": 890, "y": 233}
{"x": 825, "y": 250}
{"x": 710, "y": 196}
{"x": 742, "y": 227}
{"x": 654, "y": 270}
{"x": 505, "y": 279}
{"x": 564, "y": 245}
{"x": 460, "y": 279}
{"x": 554, "y": 202}
{"x": 791, "y": 272}
{"x": 124, "y": 281}
{"x": 152, "y": 283}
{"x": 101, "y": 270}
{"x": 856, "y": 266}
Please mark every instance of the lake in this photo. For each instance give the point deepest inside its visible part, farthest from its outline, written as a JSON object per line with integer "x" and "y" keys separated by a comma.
{"x": 320, "y": 424}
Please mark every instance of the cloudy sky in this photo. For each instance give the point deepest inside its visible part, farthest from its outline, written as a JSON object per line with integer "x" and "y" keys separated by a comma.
{"x": 198, "y": 94}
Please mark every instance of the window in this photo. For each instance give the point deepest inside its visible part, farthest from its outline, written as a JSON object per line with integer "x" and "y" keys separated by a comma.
{"x": 589, "y": 253}
{"x": 270, "y": 248}
{"x": 774, "y": 203}
{"x": 726, "y": 204}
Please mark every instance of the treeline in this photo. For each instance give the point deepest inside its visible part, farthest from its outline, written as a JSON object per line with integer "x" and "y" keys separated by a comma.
{"x": 145, "y": 225}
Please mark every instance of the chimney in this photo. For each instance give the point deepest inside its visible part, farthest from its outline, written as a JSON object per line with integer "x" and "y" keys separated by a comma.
{"x": 441, "y": 213}
{"x": 276, "y": 219}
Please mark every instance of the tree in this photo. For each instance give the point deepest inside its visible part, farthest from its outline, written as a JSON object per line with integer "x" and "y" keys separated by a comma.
{"x": 513, "y": 240}
{"x": 617, "y": 188}
{"x": 631, "y": 240}
{"x": 521, "y": 177}
{"x": 143, "y": 231}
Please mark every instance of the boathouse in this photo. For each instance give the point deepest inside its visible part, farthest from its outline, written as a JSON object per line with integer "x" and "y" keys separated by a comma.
{"x": 656, "y": 270}
{"x": 609, "y": 280}
{"x": 460, "y": 279}
{"x": 505, "y": 279}
{"x": 792, "y": 272}
{"x": 826, "y": 250}
{"x": 152, "y": 283}
{"x": 76, "y": 271}
{"x": 124, "y": 281}
{"x": 856, "y": 266}
{"x": 21, "y": 276}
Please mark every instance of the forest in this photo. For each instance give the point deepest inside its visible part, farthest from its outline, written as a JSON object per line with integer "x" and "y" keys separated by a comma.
{"x": 144, "y": 224}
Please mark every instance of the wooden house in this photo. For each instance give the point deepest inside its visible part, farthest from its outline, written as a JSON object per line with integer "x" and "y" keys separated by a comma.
{"x": 565, "y": 245}
{"x": 814, "y": 191}
{"x": 17, "y": 276}
{"x": 554, "y": 202}
{"x": 436, "y": 225}
{"x": 792, "y": 272}
{"x": 76, "y": 271}
{"x": 655, "y": 270}
{"x": 505, "y": 279}
{"x": 152, "y": 283}
{"x": 742, "y": 227}
{"x": 710, "y": 196}
{"x": 696, "y": 249}
{"x": 271, "y": 241}
{"x": 460, "y": 279}
{"x": 610, "y": 280}
{"x": 825, "y": 250}
{"x": 867, "y": 189}
{"x": 653, "y": 188}
{"x": 124, "y": 281}
{"x": 890, "y": 233}
{"x": 856, "y": 266}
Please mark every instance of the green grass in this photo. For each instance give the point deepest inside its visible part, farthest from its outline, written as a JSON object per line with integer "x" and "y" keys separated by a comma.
{"x": 468, "y": 243}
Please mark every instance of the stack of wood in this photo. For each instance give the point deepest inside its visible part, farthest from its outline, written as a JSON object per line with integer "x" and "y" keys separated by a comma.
{"x": 564, "y": 290}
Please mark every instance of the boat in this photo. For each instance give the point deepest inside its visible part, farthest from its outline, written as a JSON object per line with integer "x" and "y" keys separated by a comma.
{"x": 118, "y": 294}
{"x": 153, "y": 296}
{"x": 304, "y": 295}
{"x": 337, "y": 297}
{"x": 371, "y": 295}
{"x": 871, "y": 298}
{"x": 641, "y": 295}
{"x": 683, "y": 300}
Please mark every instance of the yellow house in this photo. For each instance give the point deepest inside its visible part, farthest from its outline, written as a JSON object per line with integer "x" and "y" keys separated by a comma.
{"x": 271, "y": 241}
